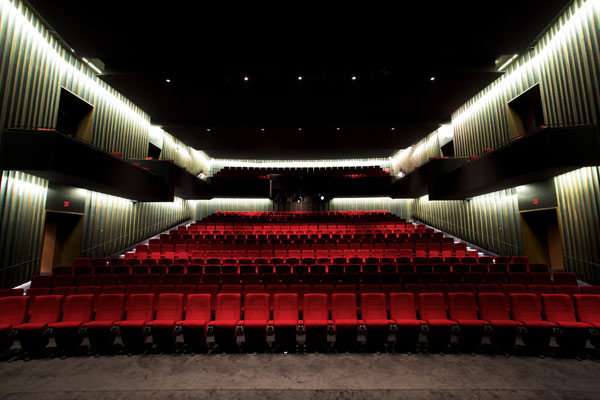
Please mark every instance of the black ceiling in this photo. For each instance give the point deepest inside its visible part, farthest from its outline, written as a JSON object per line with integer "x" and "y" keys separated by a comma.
{"x": 206, "y": 51}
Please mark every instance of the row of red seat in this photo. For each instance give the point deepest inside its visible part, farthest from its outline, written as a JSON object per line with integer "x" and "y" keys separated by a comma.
{"x": 469, "y": 317}
{"x": 525, "y": 278}
{"x": 124, "y": 288}
{"x": 262, "y": 268}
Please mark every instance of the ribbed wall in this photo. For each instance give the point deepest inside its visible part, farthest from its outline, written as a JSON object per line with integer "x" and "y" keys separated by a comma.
{"x": 578, "y": 196}
{"x": 566, "y": 65}
{"x": 409, "y": 159}
{"x": 203, "y": 208}
{"x": 490, "y": 221}
{"x": 33, "y": 68}
{"x": 112, "y": 223}
{"x": 183, "y": 155}
{"x": 22, "y": 209}
{"x": 400, "y": 207}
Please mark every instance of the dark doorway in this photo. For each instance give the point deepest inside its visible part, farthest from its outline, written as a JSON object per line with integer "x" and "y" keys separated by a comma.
{"x": 62, "y": 239}
{"x": 525, "y": 112}
{"x": 74, "y": 116}
{"x": 153, "y": 151}
{"x": 540, "y": 231}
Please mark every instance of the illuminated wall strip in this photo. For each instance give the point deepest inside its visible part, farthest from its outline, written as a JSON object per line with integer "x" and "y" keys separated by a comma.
{"x": 566, "y": 64}
{"x": 204, "y": 208}
{"x": 400, "y": 207}
{"x": 218, "y": 164}
{"x": 578, "y": 197}
{"x": 490, "y": 221}
{"x": 22, "y": 204}
{"x": 407, "y": 160}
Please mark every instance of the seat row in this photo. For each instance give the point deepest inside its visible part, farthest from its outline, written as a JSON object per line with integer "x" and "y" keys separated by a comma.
{"x": 261, "y": 268}
{"x": 129, "y": 288}
{"x": 469, "y": 317}
{"x": 524, "y": 278}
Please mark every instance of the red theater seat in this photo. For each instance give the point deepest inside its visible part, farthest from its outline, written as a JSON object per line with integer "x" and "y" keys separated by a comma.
{"x": 169, "y": 310}
{"x": 559, "y": 309}
{"x": 344, "y": 317}
{"x": 139, "y": 310}
{"x": 374, "y": 315}
{"x": 526, "y": 308}
{"x": 108, "y": 310}
{"x": 463, "y": 309}
{"x": 44, "y": 310}
{"x": 13, "y": 311}
{"x": 227, "y": 314}
{"x": 198, "y": 311}
{"x": 76, "y": 310}
{"x": 494, "y": 309}
{"x": 316, "y": 319}
{"x": 285, "y": 318}
{"x": 433, "y": 310}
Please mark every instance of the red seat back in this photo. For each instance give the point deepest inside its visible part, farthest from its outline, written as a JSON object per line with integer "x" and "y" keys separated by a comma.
{"x": 373, "y": 306}
{"x": 343, "y": 306}
{"x": 493, "y": 306}
{"x": 558, "y": 307}
{"x": 256, "y": 306}
{"x": 13, "y": 310}
{"x": 285, "y": 306}
{"x": 140, "y": 306}
{"x": 315, "y": 306}
{"x": 110, "y": 307}
{"x": 198, "y": 307}
{"x": 587, "y": 307}
{"x": 525, "y": 307}
{"x": 462, "y": 306}
{"x": 45, "y": 309}
{"x": 432, "y": 306}
{"x": 169, "y": 306}
{"x": 228, "y": 306}
{"x": 78, "y": 307}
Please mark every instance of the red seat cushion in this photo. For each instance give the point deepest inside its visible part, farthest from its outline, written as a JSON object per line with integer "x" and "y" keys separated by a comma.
{"x": 193, "y": 323}
{"x": 504, "y": 323}
{"x": 440, "y": 323}
{"x": 224, "y": 323}
{"x": 66, "y": 325}
{"x": 162, "y": 324}
{"x": 30, "y": 327}
{"x": 574, "y": 325}
{"x": 99, "y": 324}
{"x": 539, "y": 324}
{"x": 254, "y": 323}
{"x": 378, "y": 322}
{"x": 285, "y": 322}
{"x": 471, "y": 323}
{"x": 346, "y": 322}
{"x": 132, "y": 324}
{"x": 410, "y": 322}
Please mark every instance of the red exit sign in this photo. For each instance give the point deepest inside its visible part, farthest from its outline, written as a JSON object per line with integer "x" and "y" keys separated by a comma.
{"x": 66, "y": 203}
{"x": 536, "y": 202}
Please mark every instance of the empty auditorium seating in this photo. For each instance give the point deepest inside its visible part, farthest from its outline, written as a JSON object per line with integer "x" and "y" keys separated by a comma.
{"x": 316, "y": 319}
{"x": 345, "y": 319}
{"x": 374, "y": 315}
{"x": 198, "y": 312}
{"x": 222, "y": 330}
{"x": 256, "y": 318}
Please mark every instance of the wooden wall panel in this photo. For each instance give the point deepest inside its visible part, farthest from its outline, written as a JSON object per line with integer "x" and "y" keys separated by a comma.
{"x": 490, "y": 221}
{"x": 22, "y": 209}
{"x": 578, "y": 197}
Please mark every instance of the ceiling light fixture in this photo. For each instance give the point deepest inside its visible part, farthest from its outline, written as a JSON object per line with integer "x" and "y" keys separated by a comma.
{"x": 337, "y": 129}
{"x": 246, "y": 78}
{"x": 393, "y": 129}
{"x": 300, "y": 77}
{"x": 353, "y": 77}
{"x": 92, "y": 66}
{"x": 168, "y": 80}
{"x": 506, "y": 64}
{"x": 207, "y": 129}
{"x": 432, "y": 78}
{"x": 299, "y": 129}
{"x": 262, "y": 129}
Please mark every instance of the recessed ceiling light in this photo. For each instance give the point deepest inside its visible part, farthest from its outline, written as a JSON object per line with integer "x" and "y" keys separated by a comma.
{"x": 299, "y": 129}
{"x": 432, "y": 78}
{"x": 246, "y": 78}
{"x": 393, "y": 129}
{"x": 168, "y": 80}
{"x": 299, "y": 77}
{"x": 207, "y": 129}
{"x": 353, "y": 77}
{"x": 322, "y": 197}
{"x": 337, "y": 129}
{"x": 262, "y": 129}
